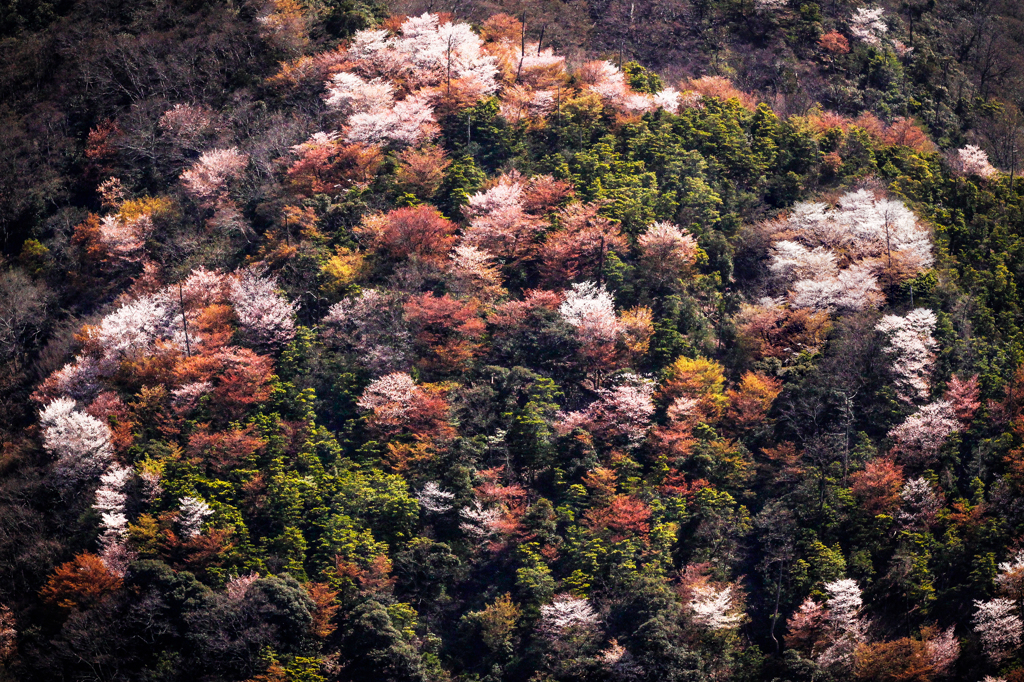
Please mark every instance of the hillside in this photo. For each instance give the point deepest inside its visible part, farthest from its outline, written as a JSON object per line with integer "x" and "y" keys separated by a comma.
{"x": 679, "y": 341}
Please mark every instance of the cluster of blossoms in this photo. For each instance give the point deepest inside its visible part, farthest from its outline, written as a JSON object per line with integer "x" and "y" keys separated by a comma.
{"x": 832, "y": 258}
{"x": 622, "y": 411}
{"x": 910, "y": 350}
{"x": 867, "y": 25}
{"x": 162, "y": 323}
{"x": 920, "y": 436}
{"x": 972, "y": 160}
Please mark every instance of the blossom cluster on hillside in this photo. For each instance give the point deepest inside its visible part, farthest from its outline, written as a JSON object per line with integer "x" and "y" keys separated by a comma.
{"x": 454, "y": 358}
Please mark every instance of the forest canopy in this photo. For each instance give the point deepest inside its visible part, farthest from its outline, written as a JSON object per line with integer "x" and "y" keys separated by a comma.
{"x": 511, "y": 341}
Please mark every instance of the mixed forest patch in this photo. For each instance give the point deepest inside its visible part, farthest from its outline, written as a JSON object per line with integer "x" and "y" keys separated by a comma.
{"x": 341, "y": 346}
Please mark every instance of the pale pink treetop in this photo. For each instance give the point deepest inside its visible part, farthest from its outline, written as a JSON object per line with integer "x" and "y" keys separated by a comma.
{"x": 923, "y": 433}
{"x": 910, "y": 350}
{"x": 265, "y": 316}
{"x": 854, "y": 288}
{"x": 208, "y": 176}
{"x": 389, "y": 396}
{"x": 240, "y": 584}
{"x": 867, "y": 25}
{"x": 125, "y": 239}
{"x": 408, "y": 122}
{"x": 372, "y": 326}
{"x": 920, "y": 503}
{"x": 845, "y": 626}
{"x": 79, "y": 442}
{"x": 435, "y": 499}
{"x": 591, "y": 310}
{"x": 972, "y": 160}
{"x": 426, "y": 53}
{"x": 998, "y": 626}
{"x": 350, "y": 94}
{"x": 110, "y": 503}
{"x": 474, "y": 273}
{"x": 567, "y": 613}
{"x": 192, "y": 513}
{"x": 861, "y": 235}
{"x": 943, "y": 649}
{"x": 713, "y": 608}
{"x": 1010, "y": 579}
{"x": 624, "y": 410}
{"x": 479, "y": 521}
{"x": 668, "y": 243}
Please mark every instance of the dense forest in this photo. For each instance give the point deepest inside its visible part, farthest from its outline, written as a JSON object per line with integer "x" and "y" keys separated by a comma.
{"x": 511, "y": 340}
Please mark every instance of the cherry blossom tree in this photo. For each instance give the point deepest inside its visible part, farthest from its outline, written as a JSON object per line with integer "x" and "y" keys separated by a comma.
{"x": 910, "y": 350}
{"x": 833, "y": 257}
{"x": 500, "y": 224}
{"x": 187, "y": 123}
{"x": 943, "y": 650}
{"x": 919, "y": 438}
{"x": 409, "y": 122}
{"x": 79, "y": 442}
{"x": 998, "y": 626}
{"x": 667, "y": 251}
{"x": 415, "y": 231}
{"x": 110, "y": 503}
{"x": 867, "y": 25}
{"x": 845, "y": 627}
{"x": 372, "y": 327}
{"x": 590, "y": 310}
{"x": 237, "y": 587}
{"x": 920, "y": 503}
{"x": 208, "y": 176}
{"x": 713, "y": 608}
{"x": 854, "y": 288}
{"x": 350, "y": 94}
{"x": 578, "y": 250}
{"x": 435, "y": 499}
{"x": 192, "y": 514}
{"x": 623, "y": 411}
{"x": 389, "y": 396}
{"x": 479, "y": 521}
{"x": 475, "y": 274}
{"x": 266, "y": 317}
{"x": 565, "y": 614}
{"x": 972, "y": 160}
{"x": 1010, "y": 579}
{"x": 125, "y": 239}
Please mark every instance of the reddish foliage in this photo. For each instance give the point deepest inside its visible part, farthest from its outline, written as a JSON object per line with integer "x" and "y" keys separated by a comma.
{"x": 905, "y": 132}
{"x": 964, "y": 394}
{"x": 750, "y": 402}
{"x": 333, "y": 166}
{"x": 100, "y": 147}
{"x": 901, "y": 660}
{"x": 223, "y": 450}
{"x": 200, "y": 553}
{"x": 325, "y": 607}
{"x": 244, "y": 383}
{"x": 675, "y": 440}
{"x": 835, "y": 42}
{"x": 80, "y": 583}
{"x": 626, "y": 517}
{"x": 543, "y": 194}
{"x": 580, "y": 247}
{"x": 722, "y": 88}
{"x": 422, "y": 169}
{"x": 447, "y": 330}
{"x": 416, "y": 231}
{"x": 878, "y": 486}
{"x": 782, "y": 332}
